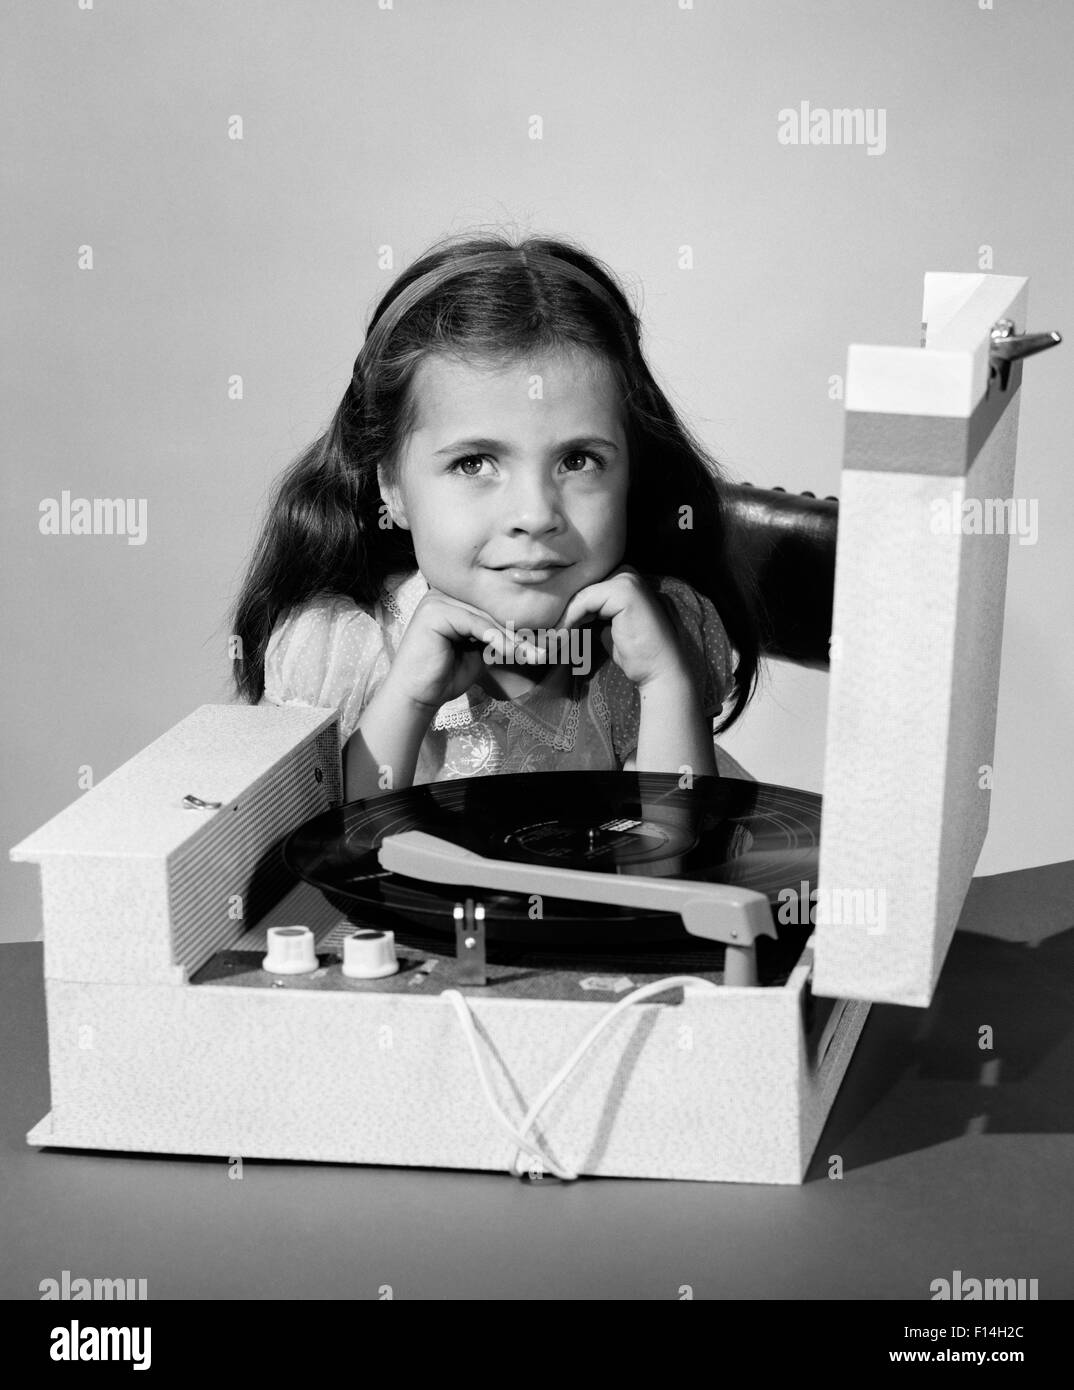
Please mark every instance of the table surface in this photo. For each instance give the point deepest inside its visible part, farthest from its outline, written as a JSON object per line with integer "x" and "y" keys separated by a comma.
{"x": 953, "y": 1158}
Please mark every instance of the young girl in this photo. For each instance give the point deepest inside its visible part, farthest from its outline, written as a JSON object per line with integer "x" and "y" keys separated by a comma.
{"x": 506, "y": 553}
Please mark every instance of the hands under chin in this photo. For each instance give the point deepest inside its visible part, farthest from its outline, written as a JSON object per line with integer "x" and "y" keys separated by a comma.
{"x": 634, "y": 627}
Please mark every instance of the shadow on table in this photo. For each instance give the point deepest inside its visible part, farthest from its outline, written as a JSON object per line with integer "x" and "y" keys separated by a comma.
{"x": 994, "y": 1053}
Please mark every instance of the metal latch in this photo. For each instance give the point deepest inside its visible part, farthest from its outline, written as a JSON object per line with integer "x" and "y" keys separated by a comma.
{"x": 1009, "y": 346}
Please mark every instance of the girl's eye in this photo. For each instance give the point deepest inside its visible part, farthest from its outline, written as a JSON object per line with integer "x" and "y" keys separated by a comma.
{"x": 460, "y": 466}
{"x": 584, "y": 453}
{"x": 466, "y": 467}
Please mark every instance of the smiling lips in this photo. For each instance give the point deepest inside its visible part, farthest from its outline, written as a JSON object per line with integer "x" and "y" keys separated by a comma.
{"x": 529, "y": 576}
{"x": 533, "y": 571}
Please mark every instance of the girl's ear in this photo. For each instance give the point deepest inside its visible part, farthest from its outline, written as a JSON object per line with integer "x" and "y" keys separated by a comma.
{"x": 392, "y": 498}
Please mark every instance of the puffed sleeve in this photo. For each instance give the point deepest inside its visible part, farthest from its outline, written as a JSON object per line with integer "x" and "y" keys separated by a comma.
{"x": 708, "y": 653}
{"x": 329, "y": 653}
{"x": 705, "y": 643}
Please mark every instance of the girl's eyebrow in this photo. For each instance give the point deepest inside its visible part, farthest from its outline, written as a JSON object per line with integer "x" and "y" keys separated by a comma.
{"x": 497, "y": 446}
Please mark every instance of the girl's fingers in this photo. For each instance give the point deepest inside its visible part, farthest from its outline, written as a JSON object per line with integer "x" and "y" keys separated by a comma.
{"x": 470, "y": 623}
{"x": 587, "y": 602}
{"x": 604, "y": 599}
{"x": 463, "y": 618}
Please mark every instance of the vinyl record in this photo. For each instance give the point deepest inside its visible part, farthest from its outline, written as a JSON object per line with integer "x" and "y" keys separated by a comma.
{"x": 722, "y": 830}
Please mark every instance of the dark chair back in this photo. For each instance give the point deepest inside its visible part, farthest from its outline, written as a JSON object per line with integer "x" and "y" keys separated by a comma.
{"x": 788, "y": 541}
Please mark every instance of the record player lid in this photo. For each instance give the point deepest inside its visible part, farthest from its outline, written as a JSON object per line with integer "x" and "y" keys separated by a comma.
{"x": 917, "y": 635}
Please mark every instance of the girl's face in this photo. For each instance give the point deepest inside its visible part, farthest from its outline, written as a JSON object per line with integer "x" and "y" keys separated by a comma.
{"x": 514, "y": 482}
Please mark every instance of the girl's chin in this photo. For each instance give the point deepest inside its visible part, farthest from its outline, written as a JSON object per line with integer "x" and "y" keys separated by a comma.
{"x": 531, "y": 611}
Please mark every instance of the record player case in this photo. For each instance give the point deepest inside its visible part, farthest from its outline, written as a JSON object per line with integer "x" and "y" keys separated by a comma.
{"x": 143, "y": 889}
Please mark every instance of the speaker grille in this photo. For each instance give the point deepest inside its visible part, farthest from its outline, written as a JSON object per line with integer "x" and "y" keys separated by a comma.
{"x": 221, "y": 882}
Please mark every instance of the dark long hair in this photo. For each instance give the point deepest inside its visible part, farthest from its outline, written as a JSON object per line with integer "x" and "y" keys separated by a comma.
{"x": 485, "y": 299}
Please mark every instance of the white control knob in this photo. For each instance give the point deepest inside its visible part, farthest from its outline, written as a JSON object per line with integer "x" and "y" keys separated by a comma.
{"x": 369, "y": 954}
{"x": 290, "y": 951}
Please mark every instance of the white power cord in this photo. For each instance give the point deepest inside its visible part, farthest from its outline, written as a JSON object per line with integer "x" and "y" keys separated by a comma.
{"x": 462, "y": 1009}
{"x": 519, "y": 1135}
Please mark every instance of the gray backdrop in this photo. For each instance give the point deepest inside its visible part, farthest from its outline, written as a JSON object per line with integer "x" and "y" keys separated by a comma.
{"x": 367, "y": 126}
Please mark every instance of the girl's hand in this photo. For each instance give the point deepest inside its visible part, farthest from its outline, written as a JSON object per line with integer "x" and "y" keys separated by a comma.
{"x": 443, "y": 650}
{"x": 641, "y": 640}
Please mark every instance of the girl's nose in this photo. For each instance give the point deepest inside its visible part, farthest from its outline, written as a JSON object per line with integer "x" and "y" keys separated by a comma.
{"x": 534, "y": 506}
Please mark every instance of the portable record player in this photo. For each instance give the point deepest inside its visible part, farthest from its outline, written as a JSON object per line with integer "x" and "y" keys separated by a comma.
{"x": 596, "y": 973}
